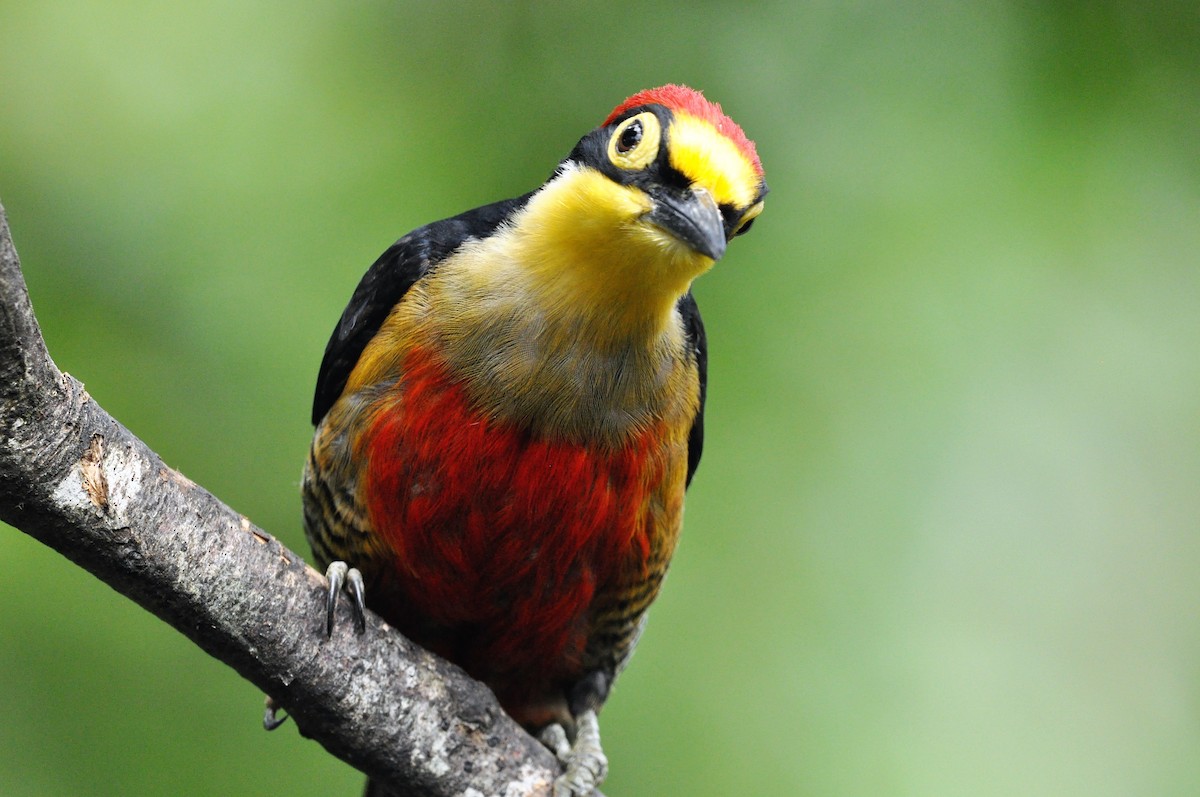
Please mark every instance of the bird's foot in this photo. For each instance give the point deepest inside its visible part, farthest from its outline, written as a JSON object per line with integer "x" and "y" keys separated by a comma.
{"x": 271, "y": 718}
{"x": 341, "y": 576}
{"x": 584, "y": 762}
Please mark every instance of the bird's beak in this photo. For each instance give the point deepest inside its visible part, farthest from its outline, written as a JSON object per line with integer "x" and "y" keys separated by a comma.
{"x": 692, "y": 216}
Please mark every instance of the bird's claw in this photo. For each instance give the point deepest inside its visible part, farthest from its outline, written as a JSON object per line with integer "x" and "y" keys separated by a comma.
{"x": 584, "y": 763}
{"x": 271, "y": 718}
{"x": 555, "y": 738}
{"x": 341, "y": 576}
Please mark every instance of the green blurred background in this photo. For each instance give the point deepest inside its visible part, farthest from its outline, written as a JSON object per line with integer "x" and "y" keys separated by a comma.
{"x": 945, "y": 537}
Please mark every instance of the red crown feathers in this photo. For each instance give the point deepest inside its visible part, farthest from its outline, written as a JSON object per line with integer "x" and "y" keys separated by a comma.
{"x": 687, "y": 100}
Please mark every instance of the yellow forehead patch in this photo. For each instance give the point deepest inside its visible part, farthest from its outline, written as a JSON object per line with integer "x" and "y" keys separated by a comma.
{"x": 711, "y": 160}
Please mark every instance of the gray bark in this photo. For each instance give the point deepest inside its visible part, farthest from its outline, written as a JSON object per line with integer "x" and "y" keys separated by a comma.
{"x": 77, "y": 480}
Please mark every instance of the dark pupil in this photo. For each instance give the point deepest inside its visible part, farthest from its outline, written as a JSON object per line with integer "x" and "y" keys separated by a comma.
{"x": 630, "y": 137}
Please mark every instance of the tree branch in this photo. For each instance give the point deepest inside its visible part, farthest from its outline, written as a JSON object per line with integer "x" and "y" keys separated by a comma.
{"x": 74, "y": 478}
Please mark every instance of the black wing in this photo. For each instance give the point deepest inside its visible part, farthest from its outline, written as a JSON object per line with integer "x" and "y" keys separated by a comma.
{"x": 385, "y": 284}
{"x": 693, "y": 328}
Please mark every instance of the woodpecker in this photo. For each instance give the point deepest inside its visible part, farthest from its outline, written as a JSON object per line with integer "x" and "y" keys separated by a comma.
{"x": 511, "y": 407}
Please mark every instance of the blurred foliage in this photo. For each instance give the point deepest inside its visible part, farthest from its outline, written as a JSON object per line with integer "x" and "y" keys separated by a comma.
{"x": 944, "y": 540}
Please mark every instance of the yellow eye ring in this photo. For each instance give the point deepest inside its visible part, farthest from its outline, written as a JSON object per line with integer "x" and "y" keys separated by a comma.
{"x": 634, "y": 144}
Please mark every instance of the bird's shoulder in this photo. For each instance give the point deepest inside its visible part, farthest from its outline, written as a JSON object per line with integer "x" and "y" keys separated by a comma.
{"x": 387, "y": 281}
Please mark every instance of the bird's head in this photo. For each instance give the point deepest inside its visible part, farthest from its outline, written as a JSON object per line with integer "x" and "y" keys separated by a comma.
{"x": 692, "y": 164}
{"x": 648, "y": 201}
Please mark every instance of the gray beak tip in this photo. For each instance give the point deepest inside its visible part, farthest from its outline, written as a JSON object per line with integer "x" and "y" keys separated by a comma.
{"x": 693, "y": 217}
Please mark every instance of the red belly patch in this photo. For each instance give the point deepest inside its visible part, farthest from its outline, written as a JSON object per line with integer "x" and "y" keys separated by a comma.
{"x": 501, "y": 539}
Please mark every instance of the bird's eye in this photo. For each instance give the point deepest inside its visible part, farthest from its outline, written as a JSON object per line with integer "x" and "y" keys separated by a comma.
{"x": 630, "y": 137}
{"x": 635, "y": 142}
{"x": 748, "y": 219}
